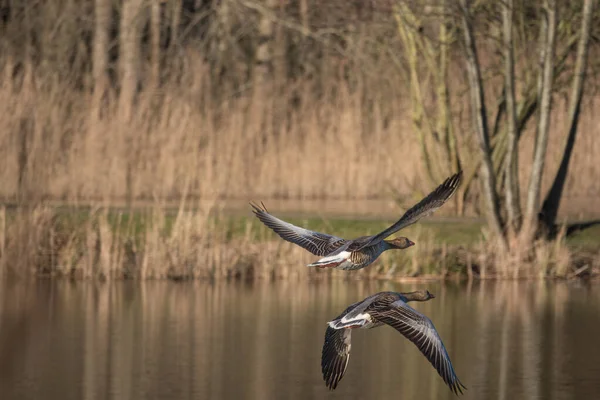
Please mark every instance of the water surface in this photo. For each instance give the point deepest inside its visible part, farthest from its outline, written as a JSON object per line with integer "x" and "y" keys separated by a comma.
{"x": 166, "y": 340}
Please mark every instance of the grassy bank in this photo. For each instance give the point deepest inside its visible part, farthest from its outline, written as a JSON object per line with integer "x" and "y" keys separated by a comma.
{"x": 158, "y": 243}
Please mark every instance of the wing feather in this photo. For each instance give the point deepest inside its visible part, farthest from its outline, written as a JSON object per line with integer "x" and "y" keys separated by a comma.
{"x": 335, "y": 355}
{"x": 319, "y": 244}
{"x": 425, "y": 207}
{"x": 420, "y": 330}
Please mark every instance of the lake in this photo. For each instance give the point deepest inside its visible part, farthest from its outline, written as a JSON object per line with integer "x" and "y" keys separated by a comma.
{"x": 196, "y": 340}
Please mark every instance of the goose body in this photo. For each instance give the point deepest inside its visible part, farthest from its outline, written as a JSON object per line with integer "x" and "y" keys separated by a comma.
{"x": 385, "y": 308}
{"x": 351, "y": 260}
{"x": 358, "y": 253}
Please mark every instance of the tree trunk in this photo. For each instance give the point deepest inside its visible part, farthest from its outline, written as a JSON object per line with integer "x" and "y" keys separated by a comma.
{"x": 129, "y": 55}
{"x": 542, "y": 59}
{"x": 304, "y": 16}
{"x": 443, "y": 95}
{"x": 513, "y": 207}
{"x": 155, "y": 43}
{"x": 103, "y": 10}
{"x": 552, "y": 201}
{"x": 176, "y": 7}
{"x": 264, "y": 50}
{"x": 481, "y": 125}
{"x": 541, "y": 143}
{"x": 426, "y": 61}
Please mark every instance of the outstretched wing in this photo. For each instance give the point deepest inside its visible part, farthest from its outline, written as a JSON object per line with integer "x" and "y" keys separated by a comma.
{"x": 335, "y": 356}
{"x": 420, "y": 330}
{"x": 320, "y": 244}
{"x": 425, "y": 207}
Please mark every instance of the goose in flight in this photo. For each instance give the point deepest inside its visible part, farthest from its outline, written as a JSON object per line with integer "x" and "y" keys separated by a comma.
{"x": 391, "y": 309}
{"x": 357, "y": 253}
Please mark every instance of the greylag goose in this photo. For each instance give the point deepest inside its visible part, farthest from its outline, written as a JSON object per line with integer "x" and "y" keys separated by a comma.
{"x": 388, "y": 308}
{"x": 360, "y": 252}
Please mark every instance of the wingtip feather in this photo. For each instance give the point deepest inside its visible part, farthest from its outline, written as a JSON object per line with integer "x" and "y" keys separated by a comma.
{"x": 457, "y": 387}
{"x": 258, "y": 208}
{"x": 451, "y": 184}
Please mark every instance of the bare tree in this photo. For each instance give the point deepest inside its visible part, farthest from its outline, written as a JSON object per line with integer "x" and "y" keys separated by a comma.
{"x": 264, "y": 49}
{"x": 304, "y": 15}
{"x": 428, "y": 64}
{"x": 129, "y": 54}
{"x": 102, "y": 10}
{"x": 423, "y": 126}
{"x": 552, "y": 200}
{"x": 535, "y": 180}
{"x": 479, "y": 112}
{"x": 513, "y": 207}
{"x": 538, "y": 95}
{"x": 175, "y": 8}
{"x": 155, "y": 42}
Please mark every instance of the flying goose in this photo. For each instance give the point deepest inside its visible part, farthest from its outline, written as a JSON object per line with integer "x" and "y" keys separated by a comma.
{"x": 388, "y": 308}
{"x": 360, "y": 252}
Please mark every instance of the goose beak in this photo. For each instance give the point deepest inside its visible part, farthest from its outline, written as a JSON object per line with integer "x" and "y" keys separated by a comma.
{"x": 431, "y": 295}
{"x": 411, "y": 243}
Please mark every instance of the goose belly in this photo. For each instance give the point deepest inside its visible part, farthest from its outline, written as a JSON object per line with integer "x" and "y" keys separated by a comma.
{"x": 362, "y": 320}
{"x": 347, "y": 260}
{"x": 332, "y": 261}
{"x": 361, "y": 259}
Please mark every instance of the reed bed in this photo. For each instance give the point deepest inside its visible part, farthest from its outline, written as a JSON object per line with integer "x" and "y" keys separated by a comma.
{"x": 342, "y": 132}
{"x": 181, "y": 143}
{"x": 104, "y": 244}
{"x": 177, "y": 149}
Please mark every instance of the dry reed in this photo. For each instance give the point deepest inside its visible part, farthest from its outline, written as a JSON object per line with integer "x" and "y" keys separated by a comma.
{"x": 345, "y": 134}
{"x": 51, "y": 149}
{"x": 40, "y": 242}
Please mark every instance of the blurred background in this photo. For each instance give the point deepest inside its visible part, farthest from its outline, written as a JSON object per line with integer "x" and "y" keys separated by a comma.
{"x": 133, "y": 133}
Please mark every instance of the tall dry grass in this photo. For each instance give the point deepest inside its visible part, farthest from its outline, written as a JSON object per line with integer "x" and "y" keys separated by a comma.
{"x": 173, "y": 145}
{"x": 190, "y": 245}
{"x": 41, "y": 241}
{"x": 334, "y": 121}
{"x": 198, "y": 153}
{"x": 233, "y": 149}
{"x": 342, "y": 130}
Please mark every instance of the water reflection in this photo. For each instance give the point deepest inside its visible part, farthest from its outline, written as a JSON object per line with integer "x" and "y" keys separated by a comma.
{"x": 157, "y": 340}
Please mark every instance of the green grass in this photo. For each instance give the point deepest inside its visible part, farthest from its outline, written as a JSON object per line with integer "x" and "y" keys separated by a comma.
{"x": 452, "y": 233}
{"x": 466, "y": 233}
{"x": 588, "y": 238}
{"x": 117, "y": 242}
